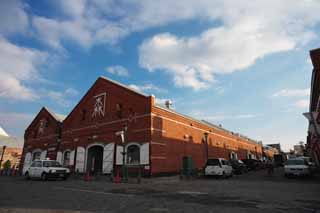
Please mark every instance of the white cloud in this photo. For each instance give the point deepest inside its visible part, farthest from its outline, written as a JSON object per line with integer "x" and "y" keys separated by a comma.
{"x": 249, "y": 32}
{"x": 61, "y": 98}
{"x": 13, "y": 17}
{"x": 292, "y": 93}
{"x": 303, "y": 103}
{"x": 269, "y": 26}
{"x": 19, "y": 66}
{"x": 118, "y": 70}
{"x": 15, "y": 123}
{"x": 53, "y": 32}
{"x": 147, "y": 88}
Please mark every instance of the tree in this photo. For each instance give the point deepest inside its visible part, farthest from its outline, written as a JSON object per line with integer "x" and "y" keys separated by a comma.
{"x": 7, "y": 165}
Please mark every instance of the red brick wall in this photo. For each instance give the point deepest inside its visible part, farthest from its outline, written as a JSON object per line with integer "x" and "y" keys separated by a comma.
{"x": 33, "y": 140}
{"x": 175, "y": 136}
{"x": 101, "y": 129}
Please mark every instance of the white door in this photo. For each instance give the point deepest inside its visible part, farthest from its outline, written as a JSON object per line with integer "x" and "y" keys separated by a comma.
{"x": 71, "y": 162}
{"x": 144, "y": 154}
{"x": 119, "y": 155}
{"x": 43, "y": 155}
{"x": 59, "y": 157}
{"x": 108, "y": 151}
{"x": 27, "y": 162}
{"x": 80, "y": 159}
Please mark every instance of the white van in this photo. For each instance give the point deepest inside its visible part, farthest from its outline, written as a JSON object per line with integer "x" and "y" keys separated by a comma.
{"x": 218, "y": 167}
{"x": 297, "y": 167}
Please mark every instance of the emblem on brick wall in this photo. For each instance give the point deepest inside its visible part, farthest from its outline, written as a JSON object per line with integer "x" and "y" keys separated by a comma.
{"x": 99, "y": 105}
{"x": 42, "y": 126}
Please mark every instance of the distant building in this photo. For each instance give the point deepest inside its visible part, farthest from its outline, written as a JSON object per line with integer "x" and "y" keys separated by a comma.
{"x": 10, "y": 149}
{"x": 298, "y": 150}
{"x": 276, "y": 146}
{"x": 269, "y": 152}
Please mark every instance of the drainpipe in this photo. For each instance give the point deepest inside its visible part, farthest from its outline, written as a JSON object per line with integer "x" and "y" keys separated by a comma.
{"x": 206, "y": 145}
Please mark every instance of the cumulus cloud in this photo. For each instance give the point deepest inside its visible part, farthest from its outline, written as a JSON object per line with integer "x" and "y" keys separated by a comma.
{"x": 249, "y": 31}
{"x": 19, "y": 66}
{"x": 292, "y": 93}
{"x": 118, "y": 70}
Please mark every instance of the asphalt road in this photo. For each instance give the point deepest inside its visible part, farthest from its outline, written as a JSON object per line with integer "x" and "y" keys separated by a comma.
{"x": 252, "y": 192}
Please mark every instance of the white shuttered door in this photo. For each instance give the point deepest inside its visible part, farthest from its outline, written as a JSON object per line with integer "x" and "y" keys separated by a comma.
{"x": 43, "y": 155}
{"x": 108, "y": 158}
{"x": 71, "y": 162}
{"x": 119, "y": 155}
{"x": 27, "y": 162}
{"x": 59, "y": 157}
{"x": 80, "y": 159}
{"x": 144, "y": 154}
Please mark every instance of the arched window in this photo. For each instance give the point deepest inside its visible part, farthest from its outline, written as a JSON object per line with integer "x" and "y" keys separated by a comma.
{"x": 36, "y": 155}
{"x": 66, "y": 158}
{"x": 233, "y": 156}
{"x": 133, "y": 154}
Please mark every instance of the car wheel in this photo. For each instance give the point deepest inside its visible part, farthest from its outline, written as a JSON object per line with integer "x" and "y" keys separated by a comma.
{"x": 44, "y": 176}
{"x": 64, "y": 178}
{"x": 27, "y": 176}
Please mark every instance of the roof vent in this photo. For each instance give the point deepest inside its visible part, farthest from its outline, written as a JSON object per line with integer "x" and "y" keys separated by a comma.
{"x": 168, "y": 104}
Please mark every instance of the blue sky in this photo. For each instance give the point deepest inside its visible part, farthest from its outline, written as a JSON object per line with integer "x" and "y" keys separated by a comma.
{"x": 241, "y": 64}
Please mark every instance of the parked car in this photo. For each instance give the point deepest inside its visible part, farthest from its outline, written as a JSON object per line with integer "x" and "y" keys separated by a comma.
{"x": 46, "y": 169}
{"x": 218, "y": 167}
{"x": 252, "y": 164}
{"x": 311, "y": 164}
{"x": 238, "y": 166}
{"x": 297, "y": 167}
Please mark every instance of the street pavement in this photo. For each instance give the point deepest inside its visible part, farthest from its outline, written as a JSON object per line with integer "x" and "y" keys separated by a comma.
{"x": 252, "y": 192}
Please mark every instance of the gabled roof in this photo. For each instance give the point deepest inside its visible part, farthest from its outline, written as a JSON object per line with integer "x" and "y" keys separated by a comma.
{"x": 124, "y": 86}
{"x": 108, "y": 80}
{"x": 59, "y": 118}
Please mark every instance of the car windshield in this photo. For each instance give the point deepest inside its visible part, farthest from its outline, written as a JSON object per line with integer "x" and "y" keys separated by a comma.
{"x": 296, "y": 162}
{"x": 213, "y": 162}
{"x": 51, "y": 164}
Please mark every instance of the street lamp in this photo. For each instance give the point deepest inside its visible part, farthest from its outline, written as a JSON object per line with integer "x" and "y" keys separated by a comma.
{"x": 122, "y": 134}
{"x": 2, "y": 154}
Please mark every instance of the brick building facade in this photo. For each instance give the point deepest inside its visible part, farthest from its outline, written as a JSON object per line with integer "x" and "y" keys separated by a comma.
{"x": 313, "y": 138}
{"x": 155, "y": 136}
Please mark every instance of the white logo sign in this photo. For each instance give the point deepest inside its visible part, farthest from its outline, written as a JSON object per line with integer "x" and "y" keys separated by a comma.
{"x": 42, "y": 126}
{"x": 99, "y": 105}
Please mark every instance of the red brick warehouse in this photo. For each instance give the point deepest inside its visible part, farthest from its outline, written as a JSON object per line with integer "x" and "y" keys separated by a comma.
{"x": 157, "y": 137}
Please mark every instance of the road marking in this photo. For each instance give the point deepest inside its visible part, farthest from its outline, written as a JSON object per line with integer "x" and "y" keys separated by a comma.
{"x": 92, "y": 191}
